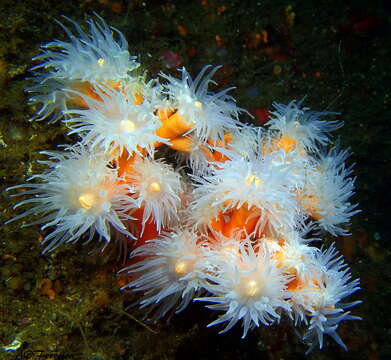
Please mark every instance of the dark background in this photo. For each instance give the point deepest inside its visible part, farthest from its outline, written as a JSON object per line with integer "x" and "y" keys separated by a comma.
{"x": 336, "y": 54}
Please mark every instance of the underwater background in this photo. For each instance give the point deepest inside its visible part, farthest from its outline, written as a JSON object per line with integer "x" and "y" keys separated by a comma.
{"x": 334, "y": 54}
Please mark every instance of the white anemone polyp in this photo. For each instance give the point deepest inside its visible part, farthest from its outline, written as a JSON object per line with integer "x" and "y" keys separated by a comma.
{"x": 77, "y": 195}
{"x": 157, "y": 187}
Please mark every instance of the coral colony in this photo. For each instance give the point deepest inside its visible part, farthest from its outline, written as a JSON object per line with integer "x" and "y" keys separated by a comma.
{"x": 214, "y": 210}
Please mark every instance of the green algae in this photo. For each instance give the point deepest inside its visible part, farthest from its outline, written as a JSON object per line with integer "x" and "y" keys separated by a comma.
{"x": 334, "y": 54}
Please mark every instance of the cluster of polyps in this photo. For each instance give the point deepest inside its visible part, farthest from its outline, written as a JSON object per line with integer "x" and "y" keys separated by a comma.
{"x": 228, "y": 222}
